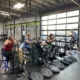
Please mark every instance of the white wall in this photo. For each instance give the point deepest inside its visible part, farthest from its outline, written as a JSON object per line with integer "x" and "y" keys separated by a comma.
{"x": 1, "y": 27}
{"x": 30, "y": 18}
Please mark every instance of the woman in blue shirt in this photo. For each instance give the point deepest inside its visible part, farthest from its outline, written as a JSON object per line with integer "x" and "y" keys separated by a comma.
{"x": 27, "y": 42}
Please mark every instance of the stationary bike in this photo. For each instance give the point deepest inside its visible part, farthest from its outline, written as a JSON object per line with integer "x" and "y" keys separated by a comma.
{"x": 46, "y": 61}
{"x": 62, "y": 54}
{"x": 33, "y": 54}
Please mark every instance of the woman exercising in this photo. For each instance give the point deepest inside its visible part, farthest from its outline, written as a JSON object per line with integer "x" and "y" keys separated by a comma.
{"x": 38, "y": 46}
{"x": 49, "y": 40}
{"x": 27, "y": 42}
{"x": 8, "y": 50}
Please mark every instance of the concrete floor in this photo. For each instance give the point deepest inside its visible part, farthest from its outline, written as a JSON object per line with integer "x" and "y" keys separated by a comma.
{"x": 72, "y": 72}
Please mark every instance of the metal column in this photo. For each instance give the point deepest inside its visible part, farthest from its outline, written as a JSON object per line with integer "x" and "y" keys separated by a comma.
{"x": 14, "y": 27}
{"x": 79, "y": 32}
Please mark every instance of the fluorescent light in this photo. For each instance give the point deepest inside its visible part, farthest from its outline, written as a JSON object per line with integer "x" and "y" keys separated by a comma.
{"x": 18, "y": 6}
{"x": 5, "y": 13}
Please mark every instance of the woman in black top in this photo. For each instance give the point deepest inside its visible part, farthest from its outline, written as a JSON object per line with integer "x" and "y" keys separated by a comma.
{"x": 50, "y": 39}
{"x": 38, "y": 46}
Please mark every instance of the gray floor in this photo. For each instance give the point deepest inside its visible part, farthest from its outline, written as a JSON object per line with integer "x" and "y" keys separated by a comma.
{"x": 72, "y": 72}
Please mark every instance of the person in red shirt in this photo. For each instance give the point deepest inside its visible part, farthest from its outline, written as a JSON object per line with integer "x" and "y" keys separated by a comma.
{"x": 8, "y": 50}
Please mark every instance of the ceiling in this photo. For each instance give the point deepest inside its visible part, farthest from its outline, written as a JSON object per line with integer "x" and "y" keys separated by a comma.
{"x": 33, "y": 6}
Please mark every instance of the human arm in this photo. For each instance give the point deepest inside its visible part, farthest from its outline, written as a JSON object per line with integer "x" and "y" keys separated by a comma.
{"x": 6, "y": 42}
{"x": 29, "y": 41}
{"x": 50, "y": 40}
{"x": 53, "y": 39}
{"x": 43, "y": 44}
{"x": 73, "y": 35}
{"x": 15, "y": 42}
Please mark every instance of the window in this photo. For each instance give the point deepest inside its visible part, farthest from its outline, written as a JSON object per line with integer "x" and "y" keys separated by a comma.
{"x": 69, "y": 32}
{"x": 43, "y": 27}
{"x": 52, "y": 27}
{"x": 61, "y": 26}
{"x": 43, "y": 32}
{"x": 73, "y": 13}
{"x": 52, "y": 16}
{"x": 59, "y": 38}
{"x": 59, "y": 21}
{"x": 44, "y": 18}
{"x": 51, "y": 32}
{"x": 44, "y": 23}
{"x": 43, "y": 37}
{"x": 72, "y": 26}
{"x": 52, "y": 22}
{"x": 68, "y": 39}
{"x": 72, "y": 20}
{"x": 61, "y": 15}
{"x": 60, "y": 32}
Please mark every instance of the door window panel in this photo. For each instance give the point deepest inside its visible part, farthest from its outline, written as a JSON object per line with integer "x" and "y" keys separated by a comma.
{"x": 60, "y": 21}
{"x": 61, "y": 15}
{"x": 52, "y": 27}
{"x": 52, "y": 16}
{"x": 43, "y": 32}
{"x": 61, "y": 26}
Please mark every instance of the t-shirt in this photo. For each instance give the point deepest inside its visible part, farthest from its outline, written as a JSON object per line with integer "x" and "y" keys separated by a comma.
{"x": 38, "y": 45}
{"x": 27, "y": 44}
{"x": 49, "y": 42}
{"x": 9, "y": 46}
{"x": 75, "y": 36}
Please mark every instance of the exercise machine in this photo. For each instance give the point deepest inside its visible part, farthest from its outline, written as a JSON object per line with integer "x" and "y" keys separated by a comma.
{"x": 53, "y": 68}
{"x": 29, "y": 75}
{"x": 62, "y": 53}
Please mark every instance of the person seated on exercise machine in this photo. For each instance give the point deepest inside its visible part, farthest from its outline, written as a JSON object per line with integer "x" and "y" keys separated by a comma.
{"x": 38, "y": 46}
{"x": 49, "y": 40}
{"x": 8, "y": 50}
{"x": 74, "y": 38}
{"x": 27, "y": 42}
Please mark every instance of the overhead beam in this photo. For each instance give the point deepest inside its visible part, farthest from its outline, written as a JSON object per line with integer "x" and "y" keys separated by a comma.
{"x": 14, "y": 10}
{"x": 61, "y": 9}
{"x": 42, "y": 5}
{"x": 75, "y": 2}
{"x": 32, "y": 6}
{"x": 48, "y": 3}
{"x": 12, "y": 3}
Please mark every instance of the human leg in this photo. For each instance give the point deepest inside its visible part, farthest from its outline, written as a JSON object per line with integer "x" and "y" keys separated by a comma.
{"x": 9, "y": 58}
{"x": 6, "y": 54}
{"x": 29, "y": 49}
{"x": 72, "y": 42}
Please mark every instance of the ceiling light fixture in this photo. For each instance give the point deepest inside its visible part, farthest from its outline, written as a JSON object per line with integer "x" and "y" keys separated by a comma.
{"x": 5, "y": 13}
{"x": 18, "y": 6}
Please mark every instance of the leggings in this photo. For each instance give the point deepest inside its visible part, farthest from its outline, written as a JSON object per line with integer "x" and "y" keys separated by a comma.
{"x": 72, "y": 42}
{"x": 10, "y": 56}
